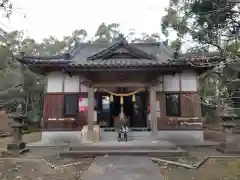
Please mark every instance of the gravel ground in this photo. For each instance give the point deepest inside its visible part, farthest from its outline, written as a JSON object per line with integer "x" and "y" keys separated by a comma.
{"x": 213, "y": 169}
{"x": 38, "y": 170}
{"x": 35, "y": 169}
{"x": 30, "y": 166}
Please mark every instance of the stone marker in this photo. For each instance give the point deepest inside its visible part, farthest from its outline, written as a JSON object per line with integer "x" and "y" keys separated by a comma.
{"x": 231, "y": 144}
{"x": 17, "y": 146}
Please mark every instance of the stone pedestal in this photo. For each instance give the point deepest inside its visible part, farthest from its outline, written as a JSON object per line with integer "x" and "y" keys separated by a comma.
{"x": 17, "y": 146}
{"x": 231, "y": 144}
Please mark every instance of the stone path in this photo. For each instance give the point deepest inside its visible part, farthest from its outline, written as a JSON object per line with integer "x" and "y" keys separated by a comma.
{"x": 122, "y": 167}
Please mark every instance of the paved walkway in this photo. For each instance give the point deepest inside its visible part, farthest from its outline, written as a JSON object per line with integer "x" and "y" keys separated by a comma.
{"x": 122, "y": 167}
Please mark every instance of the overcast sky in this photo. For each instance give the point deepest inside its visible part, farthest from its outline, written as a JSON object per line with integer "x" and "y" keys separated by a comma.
{"x": 60, "y": 18}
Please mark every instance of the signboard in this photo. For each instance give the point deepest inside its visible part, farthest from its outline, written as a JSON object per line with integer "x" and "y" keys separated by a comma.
{"x": 83, "y": 104}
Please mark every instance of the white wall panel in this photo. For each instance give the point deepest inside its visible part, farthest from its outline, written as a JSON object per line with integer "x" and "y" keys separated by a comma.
{"x": 54, "y": 82}
{"x": 71, "y": 84}
{"x": 84, "y": 88}
{"x": 189, "y": 81}
{"x": 171, "y": 82}
{"x": 159, "y": 86}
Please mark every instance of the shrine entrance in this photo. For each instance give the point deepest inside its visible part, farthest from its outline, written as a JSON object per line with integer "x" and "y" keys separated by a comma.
{"x": 134, "y": 108}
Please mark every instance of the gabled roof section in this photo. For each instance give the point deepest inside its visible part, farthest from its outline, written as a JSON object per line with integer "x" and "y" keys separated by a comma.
{"x": 121, "y": 49}
{"x": 63, "y": 58}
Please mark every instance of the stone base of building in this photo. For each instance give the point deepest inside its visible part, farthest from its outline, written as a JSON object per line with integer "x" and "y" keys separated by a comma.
{"x": 61, "y": 137}
{"x": 75, "y": 137}
{"x": 228, "y": 148}
{"x": 175, "y": 135}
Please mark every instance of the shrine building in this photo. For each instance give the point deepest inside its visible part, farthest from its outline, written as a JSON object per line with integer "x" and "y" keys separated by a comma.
{"x": 156, "y": 88}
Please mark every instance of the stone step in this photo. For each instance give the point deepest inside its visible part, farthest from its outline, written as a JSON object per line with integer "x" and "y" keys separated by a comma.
{"x": 129, "y": 138}
{"x": 236, "y": 131}
{"x": 133, "y": 145}
{"x": 140, "y": 152}
{"x": 132, "y": 135}
{"x": 106, "y": 148}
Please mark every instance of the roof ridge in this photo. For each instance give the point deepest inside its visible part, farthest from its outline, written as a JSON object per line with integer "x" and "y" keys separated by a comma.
{"x": 111, "y": 43}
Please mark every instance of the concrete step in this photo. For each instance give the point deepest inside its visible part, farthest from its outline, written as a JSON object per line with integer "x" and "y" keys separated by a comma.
{"x": 132, "y": 135}
{"x": 140, "y": 152}
{"x": 131, "y": 138}
{"x": 106, "y": 148}
{"x": 236, "y": 131}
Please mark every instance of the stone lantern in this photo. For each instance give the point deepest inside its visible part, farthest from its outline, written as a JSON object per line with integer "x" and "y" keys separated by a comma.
{"x": 17, "y": 145}
{"x": 231, "y": 143}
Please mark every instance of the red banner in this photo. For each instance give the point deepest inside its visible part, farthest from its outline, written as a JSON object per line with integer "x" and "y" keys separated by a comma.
{"x": 83, "y": 104}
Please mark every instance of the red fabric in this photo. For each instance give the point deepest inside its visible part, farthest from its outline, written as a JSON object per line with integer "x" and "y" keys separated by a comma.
{"x": 148, "y": 108}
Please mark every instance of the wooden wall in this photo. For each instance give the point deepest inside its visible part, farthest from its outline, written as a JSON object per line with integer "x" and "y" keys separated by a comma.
{"x": 190, "y": 107}
{"x": 53, "y": 118}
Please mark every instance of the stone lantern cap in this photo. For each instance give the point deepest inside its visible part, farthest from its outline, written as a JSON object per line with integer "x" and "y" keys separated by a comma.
{"x": 17, "y": 115}
{"x": 15, "y": 125}
{"x": 17, "y": 118}
{"x": 228, "y": 126}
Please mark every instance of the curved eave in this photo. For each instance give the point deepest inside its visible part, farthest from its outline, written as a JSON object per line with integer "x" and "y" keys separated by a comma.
{"x": 75, "y": 69}
{"x": 137, "y": 64}
{"x": 42, "y": 61}
{"x": 150, "y": 66}
{"x": 200, "y": 54}
{"x": 206, "y": 59}
{"x": 140, "y": 67}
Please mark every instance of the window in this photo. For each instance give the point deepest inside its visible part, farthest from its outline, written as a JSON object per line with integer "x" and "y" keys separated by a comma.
{"x": 173, "y": 105}
{"x": 70, "y": 105}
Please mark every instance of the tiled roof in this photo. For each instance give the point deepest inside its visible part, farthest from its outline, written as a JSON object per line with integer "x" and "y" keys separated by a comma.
{"x": 88, "y": 55}
{"x": 41, "y": 61}
{"x": 118, "y": 63}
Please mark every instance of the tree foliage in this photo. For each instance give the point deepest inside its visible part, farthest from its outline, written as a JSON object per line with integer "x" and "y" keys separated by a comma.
{"x": 206, "y": 21}
{"x": 212, "y": 25}
{"x": 7, "y": 7}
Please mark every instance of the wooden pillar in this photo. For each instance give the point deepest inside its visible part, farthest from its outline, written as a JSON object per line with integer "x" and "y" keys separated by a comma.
{"x": 90, "y": 112}
{"x": 153, "y": 105}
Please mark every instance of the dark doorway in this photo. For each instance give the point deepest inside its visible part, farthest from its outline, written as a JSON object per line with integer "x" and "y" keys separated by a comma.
{"x": 139, "y": 118}
{"x": 135, "y": 111}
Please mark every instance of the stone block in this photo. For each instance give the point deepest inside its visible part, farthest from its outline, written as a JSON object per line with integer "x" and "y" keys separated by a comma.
{"x": 231, "y": 145}
{"x": 16, "y": 146}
